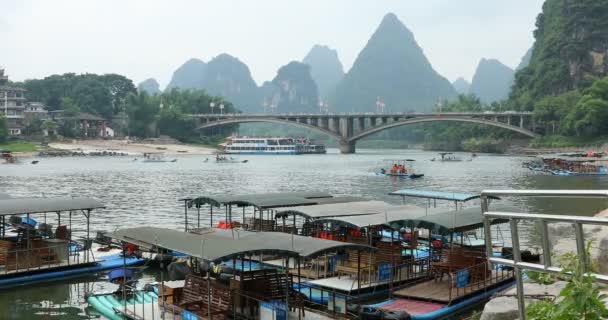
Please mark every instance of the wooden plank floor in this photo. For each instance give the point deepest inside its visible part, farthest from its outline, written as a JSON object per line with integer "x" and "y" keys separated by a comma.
{"x": 440, "y": 290}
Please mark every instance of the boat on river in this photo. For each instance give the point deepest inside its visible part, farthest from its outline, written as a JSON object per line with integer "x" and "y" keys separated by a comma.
{"x": 156, "y": 157}
{"x": 591, "y": 164}
{"x": 228, "y": 159}
{"x": 449, "y": 157}
{"x": 32, "y": 250}
{"x": 397, "y": 168}
{"x": 8, "y": 157}
{"x": 271, "y": 145}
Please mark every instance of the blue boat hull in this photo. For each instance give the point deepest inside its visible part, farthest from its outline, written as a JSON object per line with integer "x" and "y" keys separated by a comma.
{"x": 109, "y": 262}
{"x": 444, "y": 313}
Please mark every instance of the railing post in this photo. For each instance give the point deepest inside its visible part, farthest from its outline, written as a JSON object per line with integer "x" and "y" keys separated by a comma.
{"x": 580, "y": 245}
{"x": 544, "y": 233}
{"x": 518, "y": 276}
{"x": 487, "y": 227}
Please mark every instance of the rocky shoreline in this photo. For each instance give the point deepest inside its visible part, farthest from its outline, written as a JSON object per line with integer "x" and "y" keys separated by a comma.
{"x": 117, "y": 148}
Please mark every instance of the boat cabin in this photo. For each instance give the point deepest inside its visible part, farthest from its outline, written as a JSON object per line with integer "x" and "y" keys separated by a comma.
{"x": 222, "y": 283}
{"x": 36, "y": 236}
{"x": 253, "y": 212}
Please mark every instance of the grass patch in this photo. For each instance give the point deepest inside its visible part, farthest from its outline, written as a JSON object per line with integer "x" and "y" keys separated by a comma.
{"x": 18, "y": 146}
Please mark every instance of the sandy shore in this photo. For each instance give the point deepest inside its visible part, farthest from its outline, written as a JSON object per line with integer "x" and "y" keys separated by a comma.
{"x": 129, "y": 147}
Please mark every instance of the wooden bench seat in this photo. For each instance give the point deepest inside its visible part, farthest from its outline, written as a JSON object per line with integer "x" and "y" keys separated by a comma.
{"x": 195, "y": 297}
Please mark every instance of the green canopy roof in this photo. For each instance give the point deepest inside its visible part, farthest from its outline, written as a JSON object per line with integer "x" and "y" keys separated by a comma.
{"x": 447, "y": 222}
{"x": 326, "y": 210}
{"x": 221, "y": 244}
{"x": 12, "y": 206}
{"x": 261, "y": 200}
{"x": 439, "y": 195}
{"x": 381, "y": 216}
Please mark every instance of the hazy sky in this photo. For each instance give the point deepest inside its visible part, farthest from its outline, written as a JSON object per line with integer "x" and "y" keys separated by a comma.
{"x": 142, "y": 39}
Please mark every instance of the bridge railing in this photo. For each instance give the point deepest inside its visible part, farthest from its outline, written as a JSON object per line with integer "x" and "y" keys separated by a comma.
{"x": 364, "y": 114}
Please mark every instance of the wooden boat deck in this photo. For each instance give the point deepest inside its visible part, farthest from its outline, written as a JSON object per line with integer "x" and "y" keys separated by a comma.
{"x": 439, "y": 291}
{"x": 344, "y": 283}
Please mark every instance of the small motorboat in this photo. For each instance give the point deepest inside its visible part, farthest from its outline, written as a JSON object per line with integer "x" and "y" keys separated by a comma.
{"x": 398, "y": 168}
{"x": 156, "y": 157}
{"x": 447, "y": 157}
{"x": 35, "y": 162}
{"x": 224, "y": 159}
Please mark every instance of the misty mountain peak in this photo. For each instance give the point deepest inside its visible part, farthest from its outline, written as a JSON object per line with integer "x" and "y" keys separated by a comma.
{"x": 492, "y": 80}
{"x": 461, "y": 85}
{"x": 392, "y": 67}
{"x": 189, "y": 75}
{"x": 149, "y": 86}
{"x": 325, "y": 68}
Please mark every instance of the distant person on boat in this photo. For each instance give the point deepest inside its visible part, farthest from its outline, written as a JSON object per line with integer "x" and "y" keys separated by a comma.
{"x": 395, "y": 168}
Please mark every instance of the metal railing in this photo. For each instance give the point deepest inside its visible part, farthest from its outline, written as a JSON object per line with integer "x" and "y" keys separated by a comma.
{"x": 544, "y": 220}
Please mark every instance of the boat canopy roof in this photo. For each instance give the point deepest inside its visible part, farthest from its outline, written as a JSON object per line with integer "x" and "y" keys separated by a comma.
{"x": 268, "y": 200}
{"x": 217, "y": 245}
{"x": 12, "y": 206}
{"x": 390, "y": 213}
{"x": 449, "y": 221}
{"x": 439, "y": 195}
{"x": 350, "y": 208}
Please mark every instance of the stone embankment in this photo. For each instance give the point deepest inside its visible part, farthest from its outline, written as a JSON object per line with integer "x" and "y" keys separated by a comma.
{"x": 561, "y": 235}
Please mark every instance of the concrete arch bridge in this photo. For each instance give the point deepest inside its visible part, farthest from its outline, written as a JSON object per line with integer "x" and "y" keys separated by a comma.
{"x": 347, "y": 128}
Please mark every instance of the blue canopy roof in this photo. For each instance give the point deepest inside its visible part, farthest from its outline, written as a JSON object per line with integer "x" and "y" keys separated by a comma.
{"x": 440, "y": 195}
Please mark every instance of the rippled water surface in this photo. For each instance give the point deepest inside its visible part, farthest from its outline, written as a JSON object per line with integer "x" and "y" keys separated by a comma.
{"x": 137, "y": 193}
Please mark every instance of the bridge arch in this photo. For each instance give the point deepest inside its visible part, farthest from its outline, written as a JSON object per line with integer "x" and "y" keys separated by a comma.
{"x": 271, "y": 120}
{"x": 377, "y": 129}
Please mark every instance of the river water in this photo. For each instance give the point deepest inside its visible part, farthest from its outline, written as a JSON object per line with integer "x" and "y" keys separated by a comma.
{"x": 138, "y": 194}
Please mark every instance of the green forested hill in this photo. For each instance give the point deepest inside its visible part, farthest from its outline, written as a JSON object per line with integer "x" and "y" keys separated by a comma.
{"x": 566, "y": 83}
{"x": 293, "y": 90}
{"x": 569, "y": 52}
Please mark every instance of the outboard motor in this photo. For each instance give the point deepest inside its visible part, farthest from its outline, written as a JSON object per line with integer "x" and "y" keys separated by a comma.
{"x": 370, "y": 313}
{"x": 15, "y": 220}
{"x": 119, "y": 275}
{"x": 204, "y": 267}
{"x": 45, "y": 230}
{"x": 102, "y": 238}
{"x": 124, "y": 278}
{"x": 178, "y": 270}
{"x": 395, "y": 315}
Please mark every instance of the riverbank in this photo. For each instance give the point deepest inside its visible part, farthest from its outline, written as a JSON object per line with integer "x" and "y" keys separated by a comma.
{"x": 131, "y": 147}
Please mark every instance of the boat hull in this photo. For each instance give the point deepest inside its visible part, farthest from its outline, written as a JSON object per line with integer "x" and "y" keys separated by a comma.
{"x": 106, "y": 303}
{"x": 47, "y": 275}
